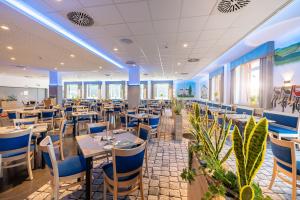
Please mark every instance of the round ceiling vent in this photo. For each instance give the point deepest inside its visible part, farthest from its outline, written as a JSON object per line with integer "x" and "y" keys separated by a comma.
{"x": 184, "y": 73}
{"x": 126, "y": 41}
{"x": 227, "y": 6}
{"x": 193, "y": 60}
{"x": 80, "y": 18}
{"x": 130, "y": 62}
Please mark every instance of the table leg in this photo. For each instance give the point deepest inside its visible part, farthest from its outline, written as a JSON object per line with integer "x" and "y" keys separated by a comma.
{"x": 74, "y": 126}
{"x": 89, "y": 168}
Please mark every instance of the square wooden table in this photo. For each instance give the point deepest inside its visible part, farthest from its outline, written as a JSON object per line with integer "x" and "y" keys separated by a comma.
{"x": 76, "y": 115}
{"x": 91, "y": 145}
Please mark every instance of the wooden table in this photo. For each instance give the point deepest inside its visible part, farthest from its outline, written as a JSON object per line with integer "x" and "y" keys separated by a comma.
{"x": 221, "y": 111}
{"x": 76, "y": 115}
{"x": 91, "y": 145}
{"x": 37, "y": 129}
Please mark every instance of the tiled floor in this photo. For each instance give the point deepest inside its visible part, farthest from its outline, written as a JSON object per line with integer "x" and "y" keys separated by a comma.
{"x": 167, "y": 158}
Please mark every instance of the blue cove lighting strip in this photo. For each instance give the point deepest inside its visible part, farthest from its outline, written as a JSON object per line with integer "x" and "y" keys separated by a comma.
{"x": 50, "y": 24}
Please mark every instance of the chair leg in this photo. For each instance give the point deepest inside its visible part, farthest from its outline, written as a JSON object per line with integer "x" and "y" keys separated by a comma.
{"x": 104, "y": 190}
{"x": 116, "y": 192}
{"x": 294, "y": 186}
{"x": 146, "y": 158}
{"x": 55, "y": 190}
{"x": 61, "y": 152}
{"x": 141, "y": 186}
{"x": 29, "y": 169}
{"x": 274, "y": 175}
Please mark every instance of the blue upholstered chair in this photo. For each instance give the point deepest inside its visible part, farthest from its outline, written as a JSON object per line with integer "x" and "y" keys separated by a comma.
{"x": 47, "y": 116}
{"x": 226, "y": 107}
{"x": 285, "y": 163}
{"x": 154, "y": 122}
{"x": 125, "y": 174}
{"x": 12, "y": 115}
{"x": 57, "y": 136}
{"x": 98, "y": 127}
{"x": 144, "y": 133}
{"x": 72, "y": 168}
{"x": 1, "y": 110}
{"x": 286, "y": 125}
{"x": 126, "y": 124}
{"x": 16, "y": 149}
{"x": 246, "y": 110}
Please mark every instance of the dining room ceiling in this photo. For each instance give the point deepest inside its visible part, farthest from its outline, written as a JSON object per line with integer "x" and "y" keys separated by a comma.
{"x": 161, "y": 36}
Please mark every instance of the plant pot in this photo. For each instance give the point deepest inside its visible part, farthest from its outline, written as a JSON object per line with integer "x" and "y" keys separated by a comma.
{"x": 198, "y": 187}
{"x": 178, "y": 127}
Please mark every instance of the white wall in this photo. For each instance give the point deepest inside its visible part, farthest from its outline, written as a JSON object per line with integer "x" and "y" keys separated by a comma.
{"x": 286, "y": 72}
{"x": 19, "y": 81}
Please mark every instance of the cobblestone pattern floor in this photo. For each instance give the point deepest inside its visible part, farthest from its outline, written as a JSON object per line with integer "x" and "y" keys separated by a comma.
{"x": 167, "y": 158}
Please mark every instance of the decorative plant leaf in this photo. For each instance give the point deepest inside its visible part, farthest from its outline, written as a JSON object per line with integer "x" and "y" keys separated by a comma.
{"x": 246, "y": 193}
{"x": 226, "y": 155}
{"x": 248, "y": 128}
{"x": 255, "y": 147}
{"x": 239, "y": 155}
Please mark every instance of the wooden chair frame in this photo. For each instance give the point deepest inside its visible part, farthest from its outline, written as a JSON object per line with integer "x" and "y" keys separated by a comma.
{"x": 46, "y": 145}
{"x": 34, "y": 120}
{"x": 135, "y": 183}
{"x": 148, "y": 128}
{"x": 19, "y": 159}
{"x": 59, "y": 143}
{"x": 277, "y": 169}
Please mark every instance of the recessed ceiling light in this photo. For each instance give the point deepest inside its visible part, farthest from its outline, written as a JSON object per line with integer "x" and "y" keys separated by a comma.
{"x": 100, "y": 67}
{"x": 3, "y": 27}
{"x": 24, "y": 68}
{"x": 62, "y": 63}
{"x": 116, "y": 49}
{"x": 193, "y": 60}
{"x": 9, "y": 47}
{"x": 72, "y": 55}
{"x": 13, "y": 58}
{"x": 176, "y": 72}
{"x": 55, "y": 68}
{"x": 126, "y": 40}
{"x": 185, "y": 45}
{"x": 179, "y": 63}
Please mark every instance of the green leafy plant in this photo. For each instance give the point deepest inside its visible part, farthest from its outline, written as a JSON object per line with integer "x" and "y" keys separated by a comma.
{"x": 212, "y": 138}
{"x": 249, "y": 153}
{"x": 214, "y": 191}
{"x": 188, "y": 175}
{"x": 176, "y": 106}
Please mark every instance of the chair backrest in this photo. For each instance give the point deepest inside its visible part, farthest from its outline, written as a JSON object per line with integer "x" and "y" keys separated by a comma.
{"x": 68, "y": 109}
{"x": 46, "y": 146}
{"x": 16, "y": 141}
{"x": 98, "y": 127}
{"x": 46, "y": 114}
{"x": 127, "y": 162}
{"x": 284, "y": 153}
{"x": 283, "y": 119}
{"x": 144, "y": 131}
{"x": 154, "y": 120}
{"x": 226, "y": 107}
{"x": 242, "y": 110}
{"x": 131, "y": 112}
{"x": 81, "y": 109}
{"x": 1, "y": 110}
{"x": 26, "y": 121}
{"x": 12, "y": 114}
{"x": 123, "y": 119}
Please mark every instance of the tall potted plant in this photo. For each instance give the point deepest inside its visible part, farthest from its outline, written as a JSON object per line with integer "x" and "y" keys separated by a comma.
{"x": 177, "y": 115}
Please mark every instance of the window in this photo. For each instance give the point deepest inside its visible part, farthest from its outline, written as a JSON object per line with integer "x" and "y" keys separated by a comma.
{"x": 161, "y": 91}
{"x": 92, "y": 91}
{"x": 115, "y": 91}
{"x": 247, "y": 84}
{"x": 216, "y": 88}
{"x": 72, "y": 90}
{"x": 143, "y": 91}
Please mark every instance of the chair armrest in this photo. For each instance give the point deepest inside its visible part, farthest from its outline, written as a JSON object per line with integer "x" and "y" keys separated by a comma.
{"x": 296, "y": 140}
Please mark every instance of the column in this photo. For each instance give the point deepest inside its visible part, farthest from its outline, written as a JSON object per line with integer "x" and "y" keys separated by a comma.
{"x": 133, "y": 92}
{"x": 227, "y": 85}
{"x": 55, "y": 86}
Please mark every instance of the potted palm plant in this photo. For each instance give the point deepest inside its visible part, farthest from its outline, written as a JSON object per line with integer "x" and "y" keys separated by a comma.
{"x": 177, "y": 116}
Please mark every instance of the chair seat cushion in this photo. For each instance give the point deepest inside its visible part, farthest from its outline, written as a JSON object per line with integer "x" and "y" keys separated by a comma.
{"x": 288, "y": 168}
{"x": 108, "y": 170}
{"x": 8, "y": 155}
{"x": 84, "y": 119}
{"x": 132, "y": 124}
{"x": 72, "y": 165}
{"x": 283, "y": 130}
{"x": 54, "y": 138}
{"x": 154, "y": 126}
